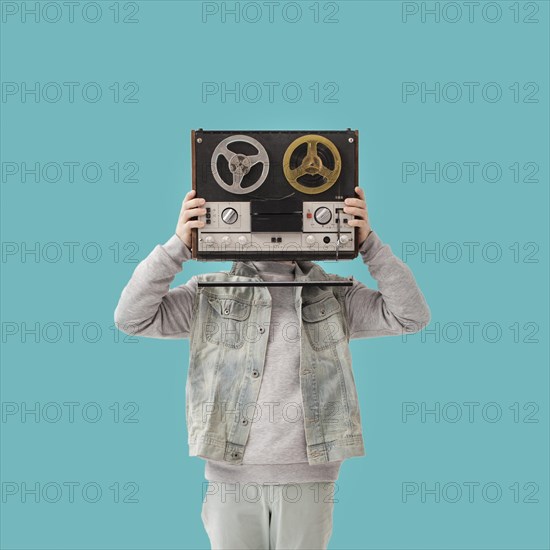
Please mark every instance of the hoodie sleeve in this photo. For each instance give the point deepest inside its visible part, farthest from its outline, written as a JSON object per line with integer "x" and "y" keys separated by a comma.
{"x": 398, "y": 306}
{"x": 147, "y": 305}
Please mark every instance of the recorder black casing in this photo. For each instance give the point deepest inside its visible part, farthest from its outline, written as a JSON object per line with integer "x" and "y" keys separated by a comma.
{"x": 274, "y": 195}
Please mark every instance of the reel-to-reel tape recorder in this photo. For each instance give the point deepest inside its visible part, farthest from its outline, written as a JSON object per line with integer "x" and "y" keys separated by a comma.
{"x": 275, "y": 195}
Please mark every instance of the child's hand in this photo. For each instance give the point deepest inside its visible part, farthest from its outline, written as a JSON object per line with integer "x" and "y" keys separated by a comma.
{"x": 358, "y": 207}
{"x": 191, "y": 208}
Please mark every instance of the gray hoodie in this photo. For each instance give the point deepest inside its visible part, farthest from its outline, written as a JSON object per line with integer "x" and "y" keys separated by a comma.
{"x": 276, "y": 449}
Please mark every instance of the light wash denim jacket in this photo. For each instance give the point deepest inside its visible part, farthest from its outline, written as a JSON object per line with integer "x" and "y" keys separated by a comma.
{"x": 228, "y": 331}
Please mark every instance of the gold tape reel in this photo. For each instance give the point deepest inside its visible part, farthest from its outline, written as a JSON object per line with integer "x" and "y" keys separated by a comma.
{"x": 312, "y": 164}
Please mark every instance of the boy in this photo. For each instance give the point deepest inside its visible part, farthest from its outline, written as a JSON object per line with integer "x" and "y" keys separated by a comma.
{"x": 274, "y": 412}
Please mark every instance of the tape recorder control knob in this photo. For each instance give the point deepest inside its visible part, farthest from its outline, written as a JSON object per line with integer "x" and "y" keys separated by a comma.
{"x": 209, "y": 239}
{"x": 242, "y": 239}
{"x": 310, "y": 239}
{"x": 343, "y": 239}
{"x": 226, "y": 240}
{"x": 322, "y": 215}
{"x": 229, "y": 215}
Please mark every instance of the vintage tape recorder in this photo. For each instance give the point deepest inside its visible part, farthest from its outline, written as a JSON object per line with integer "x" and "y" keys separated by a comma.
{"x": 275, "y": 195}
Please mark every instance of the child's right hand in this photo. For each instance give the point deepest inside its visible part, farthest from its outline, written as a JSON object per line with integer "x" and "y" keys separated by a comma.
{"x": 191, "y": 208}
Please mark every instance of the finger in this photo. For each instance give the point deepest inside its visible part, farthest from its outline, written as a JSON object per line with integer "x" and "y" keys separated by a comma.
{"x": 189, "y": 194}
{"x": 193, "y": 203}
{"x": 357, "y": 222}
{"x": 360, "y": 192}
{"x": 361, "y": 212}
{"x": 193, "y": 213}
{"x": 356, "y": 202}
{"x": 195, "y": 223}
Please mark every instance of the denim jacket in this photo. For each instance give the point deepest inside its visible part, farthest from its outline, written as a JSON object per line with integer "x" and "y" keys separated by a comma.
{"x": 228, "y": 330}
{"x": 228, "y": 346}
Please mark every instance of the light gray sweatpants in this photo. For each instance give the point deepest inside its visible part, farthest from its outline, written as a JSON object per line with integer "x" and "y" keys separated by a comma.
{"x": 242, "y": 516}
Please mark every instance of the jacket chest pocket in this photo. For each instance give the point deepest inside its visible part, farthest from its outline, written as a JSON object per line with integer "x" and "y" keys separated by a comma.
{"x": 227, "y": 321}
{"x": 323, "y": 323}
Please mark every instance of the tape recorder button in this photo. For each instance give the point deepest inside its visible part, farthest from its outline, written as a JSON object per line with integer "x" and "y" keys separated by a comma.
{"x": 310, "y": 239}
{"x": 343, "y": 239}
{"x": 229, "y": 215}
{"x": 242, "y": 239}
{"x": 322, "y": 215}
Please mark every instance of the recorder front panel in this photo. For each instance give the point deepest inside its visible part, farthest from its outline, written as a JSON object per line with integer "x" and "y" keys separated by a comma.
{"x": 323, "y": 227}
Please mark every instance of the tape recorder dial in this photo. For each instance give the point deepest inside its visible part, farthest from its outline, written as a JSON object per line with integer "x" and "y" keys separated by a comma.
{"x": 275, "y": 195}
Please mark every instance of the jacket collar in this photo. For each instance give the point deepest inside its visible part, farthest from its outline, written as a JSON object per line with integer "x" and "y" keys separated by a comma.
{"x": 305, "y": 270}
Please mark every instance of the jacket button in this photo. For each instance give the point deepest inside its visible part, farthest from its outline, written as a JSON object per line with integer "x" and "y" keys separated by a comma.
{"x": 261, "y": 329}
{"x": 322, "y": 312}
{"x": 226, "y": 311}
{"x": 234, "y": 454}
{"x": 244, "y": 421}
{"x": 255, "y": 373}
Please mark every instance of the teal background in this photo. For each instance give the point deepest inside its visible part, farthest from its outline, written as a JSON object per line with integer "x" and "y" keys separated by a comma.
{"x": 369, "y": 52}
